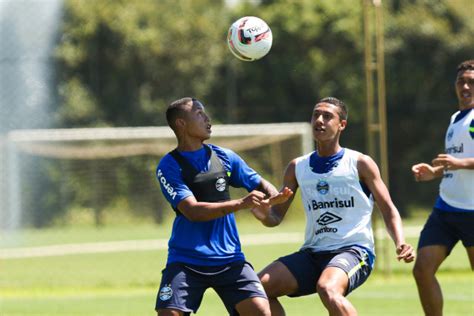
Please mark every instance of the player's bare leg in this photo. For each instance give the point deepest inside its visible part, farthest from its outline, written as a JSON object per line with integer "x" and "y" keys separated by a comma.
{"x": 254, "y": 306}
{"x": 169, "y": 312}
{"x": 331, "y": 287}
{"x": 470, "y": 254}
{"x": 427, "y": 262}
{"x": 277, "y": 281}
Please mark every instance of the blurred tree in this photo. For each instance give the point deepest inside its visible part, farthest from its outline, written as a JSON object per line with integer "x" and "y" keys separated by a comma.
{"x": 121, "y": 62}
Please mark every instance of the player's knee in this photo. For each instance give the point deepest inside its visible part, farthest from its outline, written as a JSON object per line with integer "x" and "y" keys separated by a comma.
{"x": 419, "y": 272}
{"x": 327, "y": 291}
{"x": 256, "y": 306}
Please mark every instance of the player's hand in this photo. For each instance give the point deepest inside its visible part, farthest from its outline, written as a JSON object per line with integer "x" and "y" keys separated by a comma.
{"x": 253, "y": 199}
{"x": 423, "y": 172}
{"x": 405, "y": 252}
{"x": 281, "y": 197}
{"x": 263, "y": 211}
{"x": 448, "y": 162}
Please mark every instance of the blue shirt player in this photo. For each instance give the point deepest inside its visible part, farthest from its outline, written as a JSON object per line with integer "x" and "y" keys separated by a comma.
{"x": 204, "y": 249}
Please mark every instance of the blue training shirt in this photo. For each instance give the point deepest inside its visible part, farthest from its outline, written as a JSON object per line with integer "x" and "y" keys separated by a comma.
{"x": 209, "y": 243}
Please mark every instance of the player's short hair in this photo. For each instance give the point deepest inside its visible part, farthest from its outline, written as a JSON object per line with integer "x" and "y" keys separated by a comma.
{"x": 175, "y": 110}
{"x": 465, "y": 66}
{"x": 343, "y": 112}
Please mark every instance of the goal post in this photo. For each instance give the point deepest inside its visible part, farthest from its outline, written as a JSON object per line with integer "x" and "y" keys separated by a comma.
{"x": 49, "y": 174}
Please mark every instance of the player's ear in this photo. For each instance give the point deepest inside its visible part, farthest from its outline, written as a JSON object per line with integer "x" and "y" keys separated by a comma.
{"x": 180, "y": 122}
{"x": 342, "y": 125}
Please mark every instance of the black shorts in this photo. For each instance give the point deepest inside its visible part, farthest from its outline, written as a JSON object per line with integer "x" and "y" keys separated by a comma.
{"x": 182, "y": 286}
{"x": 447, "y": 228}
{"x": 307, "y": 266}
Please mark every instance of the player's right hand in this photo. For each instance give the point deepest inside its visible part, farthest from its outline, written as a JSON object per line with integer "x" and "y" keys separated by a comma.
{"x": 423, "y": 172}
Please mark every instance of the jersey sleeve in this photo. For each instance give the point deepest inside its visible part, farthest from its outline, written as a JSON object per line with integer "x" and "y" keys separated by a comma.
{"x": 241, "y": 175}
{"x": 168, "y": 174}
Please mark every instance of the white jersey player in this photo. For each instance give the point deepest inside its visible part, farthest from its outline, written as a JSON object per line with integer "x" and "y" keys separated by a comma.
{"x": 452, "y": 218}
{"x": 338, "y": 189}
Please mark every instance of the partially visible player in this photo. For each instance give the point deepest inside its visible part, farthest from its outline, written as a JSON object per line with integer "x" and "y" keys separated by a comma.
{"x": 338, "y": 189}
{"x": 204, "y": 248}
{"x": 452, "y": 218}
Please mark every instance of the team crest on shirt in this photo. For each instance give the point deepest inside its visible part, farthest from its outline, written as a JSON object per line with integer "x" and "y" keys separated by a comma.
{"x": 322, "y": 187}
{"x": 220, "y": 184}
{"x": 166, "y": 292}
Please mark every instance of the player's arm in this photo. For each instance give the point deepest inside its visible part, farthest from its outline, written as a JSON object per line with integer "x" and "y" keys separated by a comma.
{"x": 448, "y": 162}
{"x": 205, "y": 211}
{"x": 272, "y": 213}
{"x": 369, "y": 174}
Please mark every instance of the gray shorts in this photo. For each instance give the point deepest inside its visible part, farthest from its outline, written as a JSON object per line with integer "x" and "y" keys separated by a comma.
{"x": 307, "y": 266}
{"x": 182, "y": 286}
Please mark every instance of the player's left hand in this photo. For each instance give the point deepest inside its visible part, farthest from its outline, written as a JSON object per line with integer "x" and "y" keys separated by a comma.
{"x": 263, "y": 211}
{"x": 447, "y": 161}
{"x": 405, "y": 252}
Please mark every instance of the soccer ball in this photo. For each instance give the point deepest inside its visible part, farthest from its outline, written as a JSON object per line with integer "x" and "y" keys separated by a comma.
{"x": 249, "y": 38}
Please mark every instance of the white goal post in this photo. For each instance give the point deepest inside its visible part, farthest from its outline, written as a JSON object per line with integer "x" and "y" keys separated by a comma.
{"x": 69, "y": 150}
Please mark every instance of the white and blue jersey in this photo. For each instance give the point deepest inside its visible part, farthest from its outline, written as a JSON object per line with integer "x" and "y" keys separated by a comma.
{"x": 338, "y": 206}
{"x": 456, "y": 190}
{"x": 209, "y": 243}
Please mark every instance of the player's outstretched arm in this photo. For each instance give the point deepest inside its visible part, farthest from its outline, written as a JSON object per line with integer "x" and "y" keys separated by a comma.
{"x": 273, "y": 210}
{"x": 448, "y": 162}
{"x": 205, "y": 211}
{"x": 369, "y": 173}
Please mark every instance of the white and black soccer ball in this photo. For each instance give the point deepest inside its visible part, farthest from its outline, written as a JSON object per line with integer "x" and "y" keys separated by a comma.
{"x": 249, "y": 38}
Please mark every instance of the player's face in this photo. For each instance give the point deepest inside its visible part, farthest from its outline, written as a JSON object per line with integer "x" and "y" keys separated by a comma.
{"x": 326, "y": 122}
{"x": 465, "y": 89}
{"x": 198, "y": 123}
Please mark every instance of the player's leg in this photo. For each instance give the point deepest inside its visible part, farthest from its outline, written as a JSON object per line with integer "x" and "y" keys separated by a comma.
{"x": 470, "y": 254}
{"x": 240, "y": 289}
{"x": 467, "y": 235}
{"x": 253, "y": 306}
{"x": 344, "y": 272}
{"x": 292, "y": 275}
{"x": 331, "y": 287}
{"x": 437, "y": 239}
{"x": 427, "y": 262}
{"x": 173, "y": 298}
{"x": 170, "y": 312}
{"x": 277, "y": 280}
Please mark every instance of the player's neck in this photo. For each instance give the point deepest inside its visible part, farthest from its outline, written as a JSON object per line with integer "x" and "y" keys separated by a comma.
{"x": 189, "y": 144}
{"x": 328, "y": 149}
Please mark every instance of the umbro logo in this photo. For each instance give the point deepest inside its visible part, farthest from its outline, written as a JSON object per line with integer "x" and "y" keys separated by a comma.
{"x": 328, "y": 218}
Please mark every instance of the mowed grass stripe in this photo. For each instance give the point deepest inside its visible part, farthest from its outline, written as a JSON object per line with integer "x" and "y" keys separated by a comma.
{"x": 151, "y": 244}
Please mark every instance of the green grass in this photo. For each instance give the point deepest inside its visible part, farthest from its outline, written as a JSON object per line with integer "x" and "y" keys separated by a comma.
{"x": 125, "y": 283}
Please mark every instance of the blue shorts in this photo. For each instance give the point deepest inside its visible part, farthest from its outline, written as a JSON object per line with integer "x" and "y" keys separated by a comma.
{"x": 307, "y": 266}
{"x": 447, "y": 228}
{"x": 182, "y": 286}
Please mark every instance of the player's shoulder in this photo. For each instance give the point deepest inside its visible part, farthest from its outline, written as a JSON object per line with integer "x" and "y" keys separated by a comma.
{"x": 223, "y": 153}
{"x": 302, "y": 158}
{"x": 167, "y": 162}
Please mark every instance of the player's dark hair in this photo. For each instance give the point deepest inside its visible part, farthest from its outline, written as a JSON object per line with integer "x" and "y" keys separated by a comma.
{"x": 465, "y": 65}
{"x": 175, "y": 110}
{"x": 343, "y": 112}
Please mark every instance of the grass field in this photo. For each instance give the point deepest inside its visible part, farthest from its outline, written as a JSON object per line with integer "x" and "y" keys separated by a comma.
{"x": 125, "y": 282}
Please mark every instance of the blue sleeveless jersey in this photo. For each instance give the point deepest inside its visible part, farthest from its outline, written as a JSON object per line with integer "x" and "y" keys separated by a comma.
{"x": 209, "y": 243}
